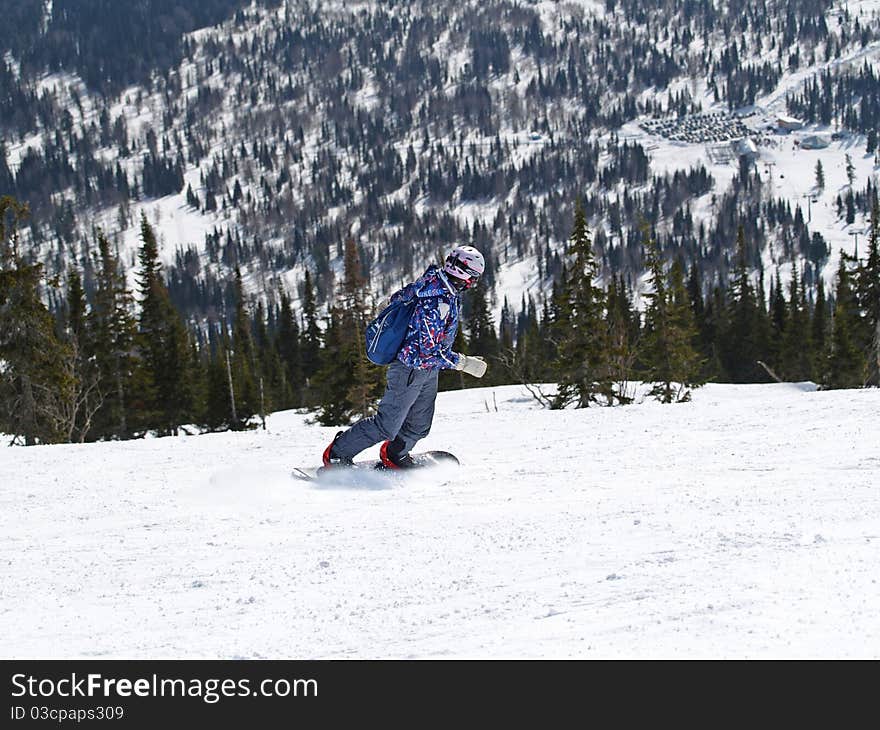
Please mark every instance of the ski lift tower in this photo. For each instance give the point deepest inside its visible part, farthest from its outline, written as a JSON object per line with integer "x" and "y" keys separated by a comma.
{"x": 855, "y": 234}
{"x": 809, "y": 198}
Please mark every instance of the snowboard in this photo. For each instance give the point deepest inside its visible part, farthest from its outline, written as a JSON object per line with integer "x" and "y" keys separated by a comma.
{"x": 423, "y": 459}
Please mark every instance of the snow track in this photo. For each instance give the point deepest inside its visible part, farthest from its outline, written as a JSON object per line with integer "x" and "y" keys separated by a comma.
{"x": 745, "y": 524}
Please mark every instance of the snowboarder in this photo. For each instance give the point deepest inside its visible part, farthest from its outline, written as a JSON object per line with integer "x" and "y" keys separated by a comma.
{"x": 406, "y": 410}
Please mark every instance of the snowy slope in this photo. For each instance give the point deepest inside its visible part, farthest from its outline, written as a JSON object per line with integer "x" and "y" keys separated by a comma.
{"x": 786, "y": 169}
{"x": 745, "y": 524}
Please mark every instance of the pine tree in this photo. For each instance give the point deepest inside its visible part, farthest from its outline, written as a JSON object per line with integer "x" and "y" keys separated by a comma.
{"x": 287, "y": 343}
{"x": 76, "y": 305}
{"x": 717, "y": 324}
{"x": 163, "y": 382}
{"x": 778, "y": 321}
{"x": 113, "y": 329}
{"x": 796, "y": 356}
{"x": 275, "y": 389}
{"x": 506, "y": 352}
{"x": 39, "y": 388}
{"x": 245, "y": 369}
{"x": 197, "y": 368}
{"x": 506, "y": 328}
{"x": 820, "y": 176}
{"x": 819, "y": 331}
{"x": 268, "y": 364}
{"x": 217, "y": 412}
{"x": 850, "y": 208}
{"x": 88, "y": 393}
{"x": 868, "y": 289}
{"x": 348, "y": 384}
{"x": 311, "y": 336}
{"x": 741, "y": 353}
{"x": 704, "y": 319}
{"x": 850, "y": 170}
{"x": 536, "y": 350}
{"x": 671, "y": 361}
{"x": 332, "y": 381}
{"x": 549, "y": 315}
{"x": 579, "y": 326}
{"x": 366, "y": 378}
{"x": 695, "y": 294}
{"x": 529, "y": 337}
{"x": 763, "y": 326}
{"x": 846, "y": 364}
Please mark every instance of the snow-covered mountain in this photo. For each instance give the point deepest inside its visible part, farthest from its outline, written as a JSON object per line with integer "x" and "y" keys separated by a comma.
{"x": 741, "y": 525}
{"x": 264, "y": 134}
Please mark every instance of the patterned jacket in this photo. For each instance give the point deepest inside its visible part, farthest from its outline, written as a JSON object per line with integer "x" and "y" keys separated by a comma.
{"x": 434, "y": 323}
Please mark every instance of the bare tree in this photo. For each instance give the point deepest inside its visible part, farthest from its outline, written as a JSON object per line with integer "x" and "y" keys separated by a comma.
{"x": 622, "y": 355}
{"x": 518, "y": 370}
{"x": 72, "y": 405}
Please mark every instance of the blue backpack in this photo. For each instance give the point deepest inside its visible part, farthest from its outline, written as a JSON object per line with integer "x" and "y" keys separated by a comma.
{"x": 386, "y": 333}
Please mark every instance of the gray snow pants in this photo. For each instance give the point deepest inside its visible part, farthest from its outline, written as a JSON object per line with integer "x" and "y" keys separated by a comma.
{"x": 405, "y": 412}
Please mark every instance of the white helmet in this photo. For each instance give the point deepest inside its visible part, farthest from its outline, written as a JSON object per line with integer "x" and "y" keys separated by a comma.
{"x": 466, "y": 265}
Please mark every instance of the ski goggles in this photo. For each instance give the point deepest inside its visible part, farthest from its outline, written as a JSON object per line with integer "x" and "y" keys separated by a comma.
{"x": 471, "y": 275}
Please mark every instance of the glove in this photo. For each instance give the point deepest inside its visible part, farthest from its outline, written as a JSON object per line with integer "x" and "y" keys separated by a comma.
{"x": 475, "y": 366}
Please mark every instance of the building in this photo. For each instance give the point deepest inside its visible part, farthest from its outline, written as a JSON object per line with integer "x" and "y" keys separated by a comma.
{"x": 788, "y": 123}
{"x": 744, "y": 146}
{"x": 815, "y": 142}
